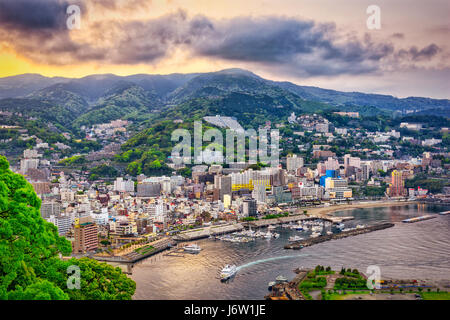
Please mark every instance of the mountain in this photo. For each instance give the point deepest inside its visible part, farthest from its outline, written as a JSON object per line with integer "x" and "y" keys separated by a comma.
{"x": 235, "y": 92}
{"x": 339, "y": 98}
{"x": 24, "y": 84}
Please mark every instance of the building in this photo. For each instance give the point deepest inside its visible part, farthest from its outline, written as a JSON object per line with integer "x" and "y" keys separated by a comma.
{"x": 85, "y": 235}
{"x": 50, "y": 208}
{"x": 293, "y": 163}
{"x": 149, "y": 189}
{"x": 397, "y": 185}
{"x": 249, "y": 208}
{"x": 64, "y": 224}
{"x": 337, "y": 188}
{"x": 123, "y": 186}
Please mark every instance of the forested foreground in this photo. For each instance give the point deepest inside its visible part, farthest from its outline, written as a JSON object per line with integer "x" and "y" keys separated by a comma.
{"x": 30, "y": 249}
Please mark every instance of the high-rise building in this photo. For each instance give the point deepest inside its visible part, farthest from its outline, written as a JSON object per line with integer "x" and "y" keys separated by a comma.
{"x": 293, "y": 163}
{"x": 123, "y": 186}
{"x": 50, "y": 208}
{"x": 149, "y": 189}
{"x": 85, "y": 235}
{"x": 397, "y": 186}
{"x": 249, "y": 208}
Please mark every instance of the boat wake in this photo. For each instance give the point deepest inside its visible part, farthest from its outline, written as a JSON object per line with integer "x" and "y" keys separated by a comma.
{"x": 239, "y": 268}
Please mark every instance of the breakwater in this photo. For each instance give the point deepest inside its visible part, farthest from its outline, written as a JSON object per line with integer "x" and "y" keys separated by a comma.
{"x": 343, "y": 234}
{"x": 208, "y": 231}
{"x": 417, "y": 219}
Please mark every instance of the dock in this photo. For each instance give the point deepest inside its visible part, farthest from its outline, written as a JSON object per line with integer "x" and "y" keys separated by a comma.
{"x": 295, "y": 218}
{"x": 311, "y": 241}
{"x": 421, "y": 218}
{"x": 202, "y": 233}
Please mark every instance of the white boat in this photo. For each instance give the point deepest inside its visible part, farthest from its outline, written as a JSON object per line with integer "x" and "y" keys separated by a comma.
{"x": 192, "y": 248}
{"x": 227, "y": 272}
{"x": 268, "y": 235}
{"x": 276, "y": 235}
{"x": 315, "y": 234}
{"x": 295, "y": 238}
{"x": 340, "y": 226}
{"x": 443, "y": 213}
{"x": 281, "y": 279}
{"x": 271, "y": 227}
{"x": 360, "y": 226}
{"x": 329, "y": 233}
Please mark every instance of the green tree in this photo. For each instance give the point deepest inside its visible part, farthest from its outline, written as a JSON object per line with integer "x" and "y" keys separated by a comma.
{"x": 30, "y": 267}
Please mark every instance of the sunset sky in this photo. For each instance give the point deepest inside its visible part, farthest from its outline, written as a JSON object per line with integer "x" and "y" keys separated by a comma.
{"x": 323, "y": 43}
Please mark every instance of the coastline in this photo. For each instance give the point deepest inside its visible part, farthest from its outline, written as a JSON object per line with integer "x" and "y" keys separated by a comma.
{"x": 324, "y": 211}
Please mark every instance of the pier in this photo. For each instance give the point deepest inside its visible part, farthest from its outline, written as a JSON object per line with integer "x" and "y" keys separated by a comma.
{"x": 417, "y": 219}
{"x": 311, "y": 241}
{"x": 207, "y": 232}
{"x": 134, "y": 256}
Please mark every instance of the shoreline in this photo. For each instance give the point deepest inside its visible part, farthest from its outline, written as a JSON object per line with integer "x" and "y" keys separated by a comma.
{"x": 324, "y": 211}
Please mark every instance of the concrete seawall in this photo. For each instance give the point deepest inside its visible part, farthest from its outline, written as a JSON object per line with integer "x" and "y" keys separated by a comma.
{"x": 206, "y": 232}
{"x": 309, "y": 242}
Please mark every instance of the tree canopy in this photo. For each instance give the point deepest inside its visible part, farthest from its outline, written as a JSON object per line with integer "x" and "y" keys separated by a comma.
{"x": 30, "y": 266}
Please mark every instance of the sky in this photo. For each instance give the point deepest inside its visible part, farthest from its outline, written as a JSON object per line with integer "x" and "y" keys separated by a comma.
{"x": 324, "y": 43}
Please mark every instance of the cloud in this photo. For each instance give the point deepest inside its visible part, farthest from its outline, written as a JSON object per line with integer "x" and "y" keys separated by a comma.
{"x": 36, "y": 29}
{"x": 415, "y": 54}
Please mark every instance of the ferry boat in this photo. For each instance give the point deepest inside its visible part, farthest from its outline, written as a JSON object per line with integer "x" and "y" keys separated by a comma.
{"x": 295, "y": 239}
{"x": 228, "y": 272}
{"x": 192, "y": 248}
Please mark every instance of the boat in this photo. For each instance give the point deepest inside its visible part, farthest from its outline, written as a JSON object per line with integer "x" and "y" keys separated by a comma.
{"x": 280, "y": 279}
{"x": 329, "y": 233}
{"x": 271, "y": 284}
{"x": 271, "y": 227}
{"x": 295, "y": 239}
{"x": 360, "y": 226}
{"x": 443, "y": 213}
{"x": 315, "y": 234}
{"x": 192, "y": 248}
{"x": 268, "y": 235}
{"x": 276, "y": 235}
{"x": 228, "y": 272}
{"x": 340, "y": 226}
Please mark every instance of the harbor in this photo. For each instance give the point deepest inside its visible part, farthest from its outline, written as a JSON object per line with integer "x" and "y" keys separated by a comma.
{"x": 352, "y": 232}
{"x": 207, "y": 232}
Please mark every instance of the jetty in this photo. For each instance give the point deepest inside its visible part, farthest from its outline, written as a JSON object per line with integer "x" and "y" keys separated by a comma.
{"x": 421, "y": 218}
{"x": 145, "y": 251}
{"x": 206, "y": 232}
{"x": 311, "y": 241}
